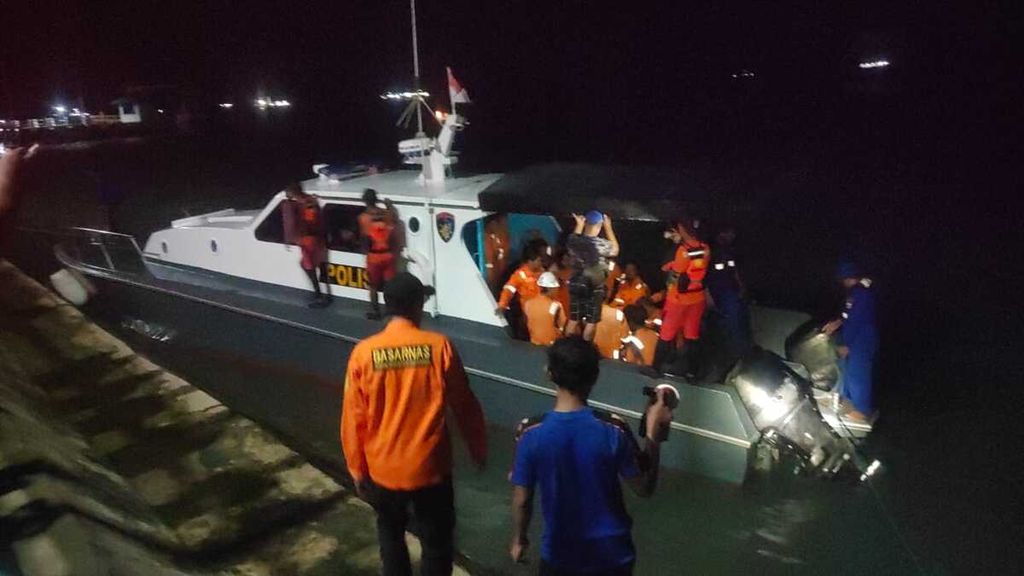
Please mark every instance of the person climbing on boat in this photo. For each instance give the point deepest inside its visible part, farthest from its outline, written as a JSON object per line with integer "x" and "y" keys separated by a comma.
{"x": 858, "y": 343}
{"x": 577, "y": 458}
{"x": 308, "y": 231}
{"x": 727, "y": 295}
{"x": 590, "y": 254}
{"x": 377, "y": 226}
{"x": 684, "y": 302}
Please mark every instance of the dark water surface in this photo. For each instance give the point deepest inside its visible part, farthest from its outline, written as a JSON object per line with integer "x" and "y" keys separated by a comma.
{"x": 948, "y": 419}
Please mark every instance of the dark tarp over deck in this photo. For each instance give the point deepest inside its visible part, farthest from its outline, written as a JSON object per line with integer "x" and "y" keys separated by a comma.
{"x": 623, "y": 192}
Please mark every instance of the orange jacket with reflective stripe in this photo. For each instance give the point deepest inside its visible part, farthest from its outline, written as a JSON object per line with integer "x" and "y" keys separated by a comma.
{"x": 638, "y": 347}
{"x": 610, "y": 331}
{"x": 629, "y": 292}
{"x": 691, "y": 272}
{"x": 522, "y": 282}
{"x": 545, "y": 319}
{"x": 394, "y": 421}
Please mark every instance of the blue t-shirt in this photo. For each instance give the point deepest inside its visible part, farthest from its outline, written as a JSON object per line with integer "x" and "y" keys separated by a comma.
{"x": 577, "y": 458}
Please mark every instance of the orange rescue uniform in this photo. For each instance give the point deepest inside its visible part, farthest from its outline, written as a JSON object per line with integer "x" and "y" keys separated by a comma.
{"x": 522, "y": 282}
{"x": 611, "y": 329}
{"x": 394, "y": 422}
{"x": 496, "y": 246}
{"x": 629, "y": 292}
{"x": 685, "y": 301}
{"x": 638, "y": 347}
{"x": 545, "y": 318}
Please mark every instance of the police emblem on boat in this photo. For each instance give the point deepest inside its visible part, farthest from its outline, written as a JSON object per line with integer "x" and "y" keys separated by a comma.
{"x": 445, "y": 225}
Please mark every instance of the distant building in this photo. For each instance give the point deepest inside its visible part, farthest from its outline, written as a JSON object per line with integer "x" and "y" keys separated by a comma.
{"x": 128, "y": 112}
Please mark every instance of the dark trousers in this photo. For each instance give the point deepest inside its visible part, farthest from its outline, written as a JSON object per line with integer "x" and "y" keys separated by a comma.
{"x": 549, "y": 570}
{"x": 433, "y": 510}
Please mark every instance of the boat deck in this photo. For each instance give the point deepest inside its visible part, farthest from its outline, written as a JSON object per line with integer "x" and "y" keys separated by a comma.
{"x": 714, "y": 434}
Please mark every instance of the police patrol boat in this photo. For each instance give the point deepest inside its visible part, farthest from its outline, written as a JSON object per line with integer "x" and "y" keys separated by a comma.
{"x": 234, "y": 266}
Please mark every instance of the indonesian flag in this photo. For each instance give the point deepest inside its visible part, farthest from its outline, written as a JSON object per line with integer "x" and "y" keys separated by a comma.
{"x": 456, "y": 93}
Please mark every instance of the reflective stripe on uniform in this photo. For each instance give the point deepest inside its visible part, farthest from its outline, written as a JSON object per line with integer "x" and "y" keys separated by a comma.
{"x": 523, "y": 275}
{"x": 615, "y": 354}
{"x": 731, "y": 263}
{"x": 719, "y": 266}
{"x": 553, "y": 310}
{"x": 631, "y": 339}
{"x": 619, "y": 316}
{"x": 510, "y": 288}
{"x": 865, "y": 282}
{"x": 695, "y": 253}
{"x": 488, "y": 265}
{"x": 845, "y": 315}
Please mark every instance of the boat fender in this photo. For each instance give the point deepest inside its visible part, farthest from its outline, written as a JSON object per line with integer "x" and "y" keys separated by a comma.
{"x": 72, "y": 286}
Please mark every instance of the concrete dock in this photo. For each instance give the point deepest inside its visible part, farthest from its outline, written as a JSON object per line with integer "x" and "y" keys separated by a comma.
{"x": 111, "y": 465}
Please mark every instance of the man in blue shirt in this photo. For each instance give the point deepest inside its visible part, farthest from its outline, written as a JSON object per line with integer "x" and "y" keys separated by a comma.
{"x": 575, "y": 456}
{"x": 858, "y": 334}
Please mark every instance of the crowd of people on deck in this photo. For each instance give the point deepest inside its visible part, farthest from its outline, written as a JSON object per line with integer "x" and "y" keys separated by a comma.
{"x": 583, "y": 288}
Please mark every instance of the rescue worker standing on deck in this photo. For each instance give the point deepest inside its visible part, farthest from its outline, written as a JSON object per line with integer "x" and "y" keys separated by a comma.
{"x": 684, "y": 302}
{"x": 725, "y": 289}
{"x": 377, "y": 226}
{"x": 590, "y": 255}
{"x": 400, "y": 387}
{"x": 858, "y": 334}
{"x": 310, "y": 233}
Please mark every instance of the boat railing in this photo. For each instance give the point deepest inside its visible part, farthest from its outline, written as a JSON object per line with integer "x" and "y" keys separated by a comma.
{"x": 101, "y": 250}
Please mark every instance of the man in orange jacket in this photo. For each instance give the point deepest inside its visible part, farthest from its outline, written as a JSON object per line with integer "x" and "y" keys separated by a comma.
{"x": 545, "y": 317}
{"x": 639, "y": 346}
{"x": 629, "y": 287}
{"x": 684, "y": 301}
{"x": 377, "y": 227}
{"x": 522, "y": 284}
{"x": 310, "y": 233}
{"x": 400, "y": 386}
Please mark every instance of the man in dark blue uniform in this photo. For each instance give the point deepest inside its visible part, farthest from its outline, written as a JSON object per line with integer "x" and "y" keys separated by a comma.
{"x": 725, "y": 286}
{"x": 576, "y": 457}
{"x": 858, "y": 342}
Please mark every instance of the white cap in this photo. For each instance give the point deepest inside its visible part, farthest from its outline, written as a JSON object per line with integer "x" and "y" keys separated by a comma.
{"x": 547, "y": 280}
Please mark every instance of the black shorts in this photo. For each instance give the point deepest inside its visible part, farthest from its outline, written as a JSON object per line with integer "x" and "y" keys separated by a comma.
{"x": 585, "y": 300}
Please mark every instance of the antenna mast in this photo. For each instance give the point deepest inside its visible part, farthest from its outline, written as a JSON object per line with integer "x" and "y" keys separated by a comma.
{"x": 416, "y": 68}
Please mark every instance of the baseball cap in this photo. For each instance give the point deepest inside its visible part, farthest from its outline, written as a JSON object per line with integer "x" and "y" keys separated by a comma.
{"x": 405, "y": 291}
{"x": 594, "y": 217}
{"x": 547, "y": 280}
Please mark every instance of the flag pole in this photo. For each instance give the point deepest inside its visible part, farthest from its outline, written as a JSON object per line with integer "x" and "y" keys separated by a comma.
{"x": 416, "y": 68}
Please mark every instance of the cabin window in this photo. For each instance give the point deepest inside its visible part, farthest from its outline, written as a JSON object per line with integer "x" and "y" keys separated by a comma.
{"x": 342, "y": 222}
{"x": 272, "y": 227}
{"x": 213, "y": 245}
{"x": 414, "y": 224}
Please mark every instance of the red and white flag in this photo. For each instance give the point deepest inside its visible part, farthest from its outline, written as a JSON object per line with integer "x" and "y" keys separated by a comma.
{"x": 456, "y": 93}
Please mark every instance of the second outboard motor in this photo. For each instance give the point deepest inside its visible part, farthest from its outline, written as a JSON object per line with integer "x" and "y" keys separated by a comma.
{"x": 782, "y": 406}
{"x": 815, "y": 350}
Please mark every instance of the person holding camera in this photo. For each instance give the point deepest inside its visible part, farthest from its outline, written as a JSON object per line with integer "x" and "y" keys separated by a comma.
{"x": 576, "y": 457}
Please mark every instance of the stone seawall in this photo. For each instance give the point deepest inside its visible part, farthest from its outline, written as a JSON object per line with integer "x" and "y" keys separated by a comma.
{"x": 111, "y": 465}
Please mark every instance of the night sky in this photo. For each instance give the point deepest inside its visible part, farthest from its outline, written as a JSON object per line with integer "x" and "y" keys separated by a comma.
{"x": 586, "y": 69}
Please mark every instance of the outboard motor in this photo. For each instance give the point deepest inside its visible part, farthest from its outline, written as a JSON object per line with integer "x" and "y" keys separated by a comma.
{"x": 782, "y": 406}
{"x": 809, "y": 346}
